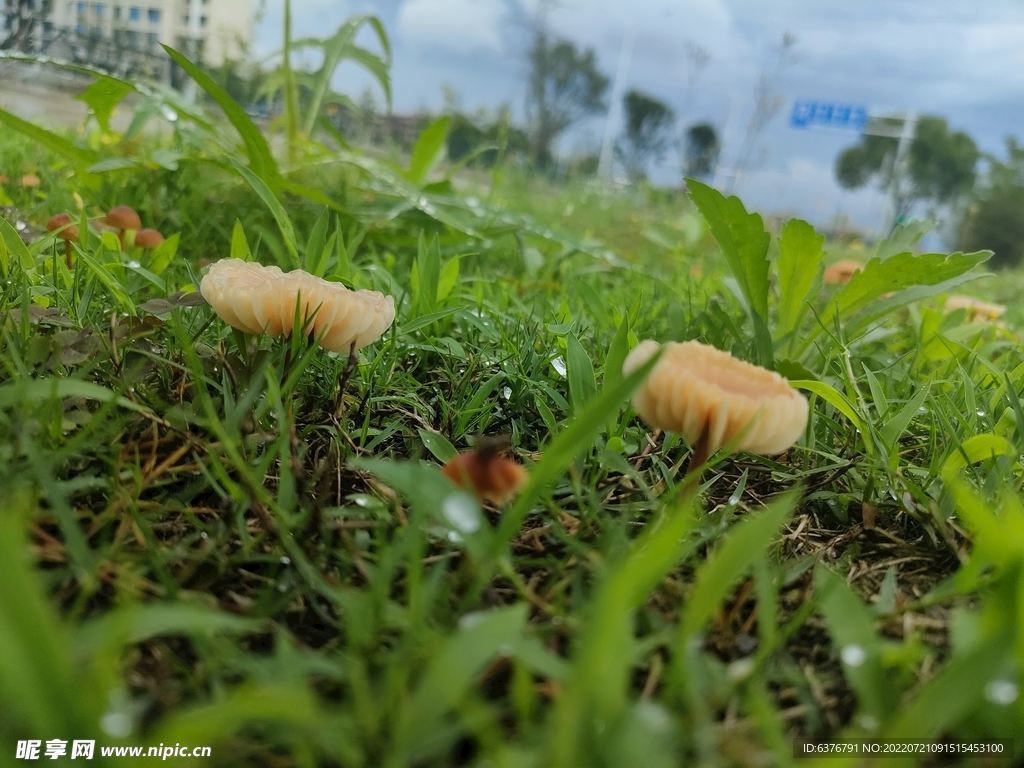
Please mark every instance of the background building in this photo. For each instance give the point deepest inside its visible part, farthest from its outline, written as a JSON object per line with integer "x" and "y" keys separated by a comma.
{"x": 124, "y": 36}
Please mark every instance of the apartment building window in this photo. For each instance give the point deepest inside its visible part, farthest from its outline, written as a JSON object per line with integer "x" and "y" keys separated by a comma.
{"x": 134, "y": 13}
{"x": 98, "y": 9}
{"x": 152, "y": 39}
{"x": 154, "y": 16}
{"x": 117, "y": 12}
{"x": 202, "y": 21}
{"x": 79, "y": 28}
{"x": 133, "y": 38}
{"x": 81, "y": 9}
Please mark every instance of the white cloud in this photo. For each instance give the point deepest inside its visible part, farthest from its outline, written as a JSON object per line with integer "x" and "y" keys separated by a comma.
{"x": 462, "y": 26}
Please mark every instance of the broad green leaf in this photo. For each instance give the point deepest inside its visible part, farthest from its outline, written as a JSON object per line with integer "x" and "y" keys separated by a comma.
{"x": 904, "y": 238}
{"x": 37, "y": 685}
{"x": 903, "y": 270}
{"x": 438, "y": 445}
{"x": 38, "y": 390}
{"x": 428, "y": 272}
{"x": 53, "y": 142}
{"x": 13, "y": 245}
{"x": 449, "y": 277}
{"x": 894, "y": 427}
{"x": 742, "y": 238}
{"x": 580, "y": 373}
{"x": 266, "y": 194}
{"x": 164, "y": 254}
{"x": 452, "y": 671}
{"x": 800, "y": 256}
{"x": 103, "y": 96}
{"x": 239, "y": 244}
{"x": 838, "y": 400}
{"x": 745, "y": 544}
{"x": 427, "y": 153}
{"x": 851, "y": 625}
{"x": 315, "y": 244}
{"x": 975, "y": 449}
{"x": 617, "y": 354}
{"x": 261, "y": 161}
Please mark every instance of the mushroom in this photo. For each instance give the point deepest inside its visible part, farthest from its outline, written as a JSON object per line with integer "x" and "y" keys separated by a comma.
{"x": 841, "y": 272}
{"x": 148, "y": 238}
{"x": 258, "y": 299}
{"x": 63, "y": 225}
{"x": 976, "y": 309}
{"x": 486, "y": 472}
{"x": 712, "y": 399}
{"x": 30, "y": 180}
{"x": 124, "y": 220}
{"x": 3, "y": 178}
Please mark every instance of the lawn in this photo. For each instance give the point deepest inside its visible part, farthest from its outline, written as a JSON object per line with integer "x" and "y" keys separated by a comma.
{"x": 238, "y": 541}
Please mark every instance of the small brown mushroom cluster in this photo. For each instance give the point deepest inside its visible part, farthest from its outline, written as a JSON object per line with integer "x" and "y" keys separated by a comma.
{"x": 258, "y": 299}
{"x": 128, "y": 225}
{"x": 713, "y": 399}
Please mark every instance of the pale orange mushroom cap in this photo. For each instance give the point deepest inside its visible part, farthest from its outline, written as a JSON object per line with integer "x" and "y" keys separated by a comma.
{"x": 976, "y": 309}
{"x": 696, "y": 390}
{"x": 258, "y": 299}
{"x": 841, "y": 272}
{"x": 148, "y": 238}
{"x": 30, "y": 180}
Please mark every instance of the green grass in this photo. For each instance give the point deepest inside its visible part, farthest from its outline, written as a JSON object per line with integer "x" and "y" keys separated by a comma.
{"x": 203, "y": 542}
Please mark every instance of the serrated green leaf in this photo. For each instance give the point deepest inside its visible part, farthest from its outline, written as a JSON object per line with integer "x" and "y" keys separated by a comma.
{"x": 903, "y": 270}
{"x": 742, "y": 238}
{"x": 800, "y": 256}
{"x": 103, "y": 96}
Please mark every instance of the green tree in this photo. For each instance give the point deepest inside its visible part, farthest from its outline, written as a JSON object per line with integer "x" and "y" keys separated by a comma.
{"x": 940, "y": 165}
{"x": 646, "y": 136}
{"x": 700, "y": 152}
{"x": 995, "y": 218}
{"x": 565, "y": 86}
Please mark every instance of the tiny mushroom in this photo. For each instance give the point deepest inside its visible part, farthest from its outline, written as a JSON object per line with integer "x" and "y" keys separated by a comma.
{"x": 713, "y": 399}
{"x": 3, "y": 178}
{"x": 841, "y": 272}
{"x": 258, "y": 299}
{"x": 486, "y": 472}
{"x": 63, "y": 225}
{"x": 975, "y": 308}
{"x": 30, "y": 180}
{"x": 124, "y": 220}
{"x": 148, "y": 238}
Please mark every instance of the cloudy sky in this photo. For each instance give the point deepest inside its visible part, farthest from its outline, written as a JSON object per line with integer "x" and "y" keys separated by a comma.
{"x": 963, "y": 61}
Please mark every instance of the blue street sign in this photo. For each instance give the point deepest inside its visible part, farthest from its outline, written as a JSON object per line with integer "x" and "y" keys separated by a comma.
{"x": 827, "y": 114}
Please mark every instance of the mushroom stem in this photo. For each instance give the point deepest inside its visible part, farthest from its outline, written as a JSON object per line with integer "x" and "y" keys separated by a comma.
{"x": 67, "y": 254}
{"x": 698, "y": 458}
{"x": 350, "y": 367}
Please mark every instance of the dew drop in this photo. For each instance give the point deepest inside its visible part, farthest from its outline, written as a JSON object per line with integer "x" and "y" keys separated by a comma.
{"x": 134, "y": 264}
{"x": 460, "y": 509}
{"x": 285, "y": 560}
{"x": 116, "y": 724}
{"x": 559, "y": 365}
{"x": 507, "y": 392}
{"x": 1002, "y": 692}
{"x": 853, "y": 655}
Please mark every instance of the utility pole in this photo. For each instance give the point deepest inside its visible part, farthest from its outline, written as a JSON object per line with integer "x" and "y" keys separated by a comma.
{"x": 906, "y": 137}
{"x": 604, "y": 164}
